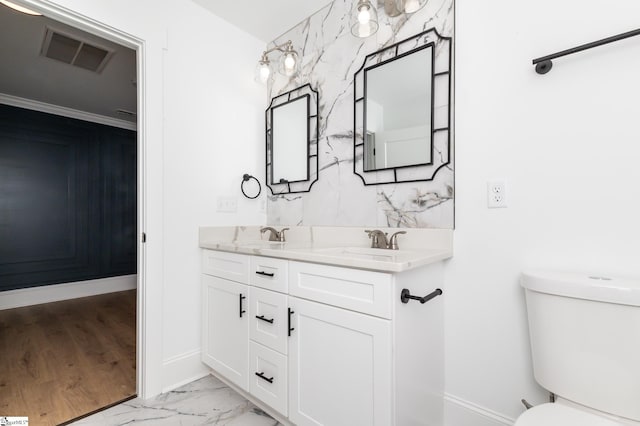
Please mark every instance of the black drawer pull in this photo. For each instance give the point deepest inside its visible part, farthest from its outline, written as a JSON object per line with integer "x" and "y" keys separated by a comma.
{"x": 262, "y": 318}
{"x": 261, "y": 375}
{"x": 266, "y": 274}
{"x": 290, "y": 329}
{"x": 242, "y": 311}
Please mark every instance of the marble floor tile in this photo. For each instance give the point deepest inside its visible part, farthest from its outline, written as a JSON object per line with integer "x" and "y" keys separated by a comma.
{"x": 207, "y": 401}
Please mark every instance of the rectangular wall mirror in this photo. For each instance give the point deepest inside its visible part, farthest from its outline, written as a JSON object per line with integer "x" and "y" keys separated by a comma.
{"x": 402, "y": 111}
{"x": 292, "y": 141}
{"x": 397, "y": 104}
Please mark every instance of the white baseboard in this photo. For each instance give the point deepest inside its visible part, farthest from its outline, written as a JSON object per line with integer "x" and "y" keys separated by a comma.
{"x": 53, "y": 293}
{"x": 458, "y": 412}
{"x": 182, "y": 369}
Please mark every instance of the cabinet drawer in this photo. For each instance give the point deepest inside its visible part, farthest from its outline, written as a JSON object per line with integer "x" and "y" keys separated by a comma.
{"x": 358, "y": 290}
{"x": 268, "y": 377}
{"x": 232, "y": 266}
{"x": 268, "y": 318}
{"x": 269, "y": 273}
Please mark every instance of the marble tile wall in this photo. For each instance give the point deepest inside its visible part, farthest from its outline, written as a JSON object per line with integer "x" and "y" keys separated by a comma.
{"x": 330, "y": 57}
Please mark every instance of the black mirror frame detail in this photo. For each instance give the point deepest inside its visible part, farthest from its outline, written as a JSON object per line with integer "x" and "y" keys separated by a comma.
{"x": 413, "y": 173}
{"x": 284, "y": 186}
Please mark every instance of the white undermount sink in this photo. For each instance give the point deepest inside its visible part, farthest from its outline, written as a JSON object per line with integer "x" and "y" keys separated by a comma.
{"x": 261, "y": 244}
{"x": 375, "y": 253}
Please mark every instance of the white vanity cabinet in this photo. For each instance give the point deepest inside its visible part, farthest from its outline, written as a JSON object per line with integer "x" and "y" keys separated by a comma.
{"x": 330, "y": 345}
{"x": 225, "y": 329}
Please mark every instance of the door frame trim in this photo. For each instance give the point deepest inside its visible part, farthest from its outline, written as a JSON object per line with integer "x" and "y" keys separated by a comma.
{"x": 149, "y": 297}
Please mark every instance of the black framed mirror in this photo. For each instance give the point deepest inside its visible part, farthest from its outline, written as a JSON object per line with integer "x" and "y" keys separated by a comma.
{"x": 402, "y": 111}
{"x": 292, "y": 141}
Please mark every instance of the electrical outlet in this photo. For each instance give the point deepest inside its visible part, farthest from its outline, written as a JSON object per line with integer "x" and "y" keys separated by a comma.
{"x": 227, "y": 204}
{"x": 496, "y": 194}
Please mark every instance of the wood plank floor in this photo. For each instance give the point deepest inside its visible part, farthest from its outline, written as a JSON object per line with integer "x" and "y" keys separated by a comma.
{"x": 65, "y": 359}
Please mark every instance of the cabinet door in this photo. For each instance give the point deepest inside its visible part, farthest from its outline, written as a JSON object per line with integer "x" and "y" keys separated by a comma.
{"x": 339, "y": 367}
{"x": 225, "y": 344}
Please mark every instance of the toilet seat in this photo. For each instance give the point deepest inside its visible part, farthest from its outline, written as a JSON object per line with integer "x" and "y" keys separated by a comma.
{"x": 560, "y": 415}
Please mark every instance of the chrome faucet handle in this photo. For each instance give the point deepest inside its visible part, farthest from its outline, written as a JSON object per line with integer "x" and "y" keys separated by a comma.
{"x": 393, "y": 241}
{"x": 373, "y": 237}
{"x": 378, "y": 238}
{"x": 275, "y": 235}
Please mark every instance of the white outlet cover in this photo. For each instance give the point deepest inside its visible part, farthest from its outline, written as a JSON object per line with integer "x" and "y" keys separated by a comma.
{"x": 496, "y": 194}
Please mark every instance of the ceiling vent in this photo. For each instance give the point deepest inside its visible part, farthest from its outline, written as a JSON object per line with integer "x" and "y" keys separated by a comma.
{"x": 73, "y": 51}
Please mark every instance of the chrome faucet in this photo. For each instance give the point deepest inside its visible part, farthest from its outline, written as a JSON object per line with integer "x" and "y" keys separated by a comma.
{"x": 379, "y": 239}
{"x": 275, "y": 235}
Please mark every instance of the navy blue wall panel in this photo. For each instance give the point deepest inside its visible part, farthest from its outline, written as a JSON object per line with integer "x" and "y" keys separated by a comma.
{"x": 67, "y": 199}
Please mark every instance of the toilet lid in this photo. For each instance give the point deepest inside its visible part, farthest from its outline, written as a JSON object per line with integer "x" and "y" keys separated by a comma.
{"x": 561, "y": 415}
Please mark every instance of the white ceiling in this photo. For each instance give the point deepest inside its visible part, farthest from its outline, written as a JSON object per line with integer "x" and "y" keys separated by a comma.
{"x": 264, "y": 19}
{"x": 26, "y": 74}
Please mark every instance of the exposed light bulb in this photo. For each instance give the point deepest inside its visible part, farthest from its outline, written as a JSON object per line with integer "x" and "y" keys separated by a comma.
{"x": 20, "y": 8}
{"x": 364, "y": 16}
{"x": 411, "y": 6}
{"x": 364, "y": 19}
{"x": 264, "y": 73}
{"x": 289, "y": 62}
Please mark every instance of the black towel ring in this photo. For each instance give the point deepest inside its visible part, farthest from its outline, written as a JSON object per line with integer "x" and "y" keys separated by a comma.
{"x": 245, "y": 178}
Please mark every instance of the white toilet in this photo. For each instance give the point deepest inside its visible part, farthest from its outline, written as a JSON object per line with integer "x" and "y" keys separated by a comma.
{"x": 585, "y": 344}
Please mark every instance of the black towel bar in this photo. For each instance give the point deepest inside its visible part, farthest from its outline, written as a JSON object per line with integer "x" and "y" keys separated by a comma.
{"x": 405, "y": 296}
{"x": 544, "y": 64}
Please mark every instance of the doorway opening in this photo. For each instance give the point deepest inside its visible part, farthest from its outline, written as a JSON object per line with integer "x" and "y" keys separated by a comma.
{"x": 62, "y": 32}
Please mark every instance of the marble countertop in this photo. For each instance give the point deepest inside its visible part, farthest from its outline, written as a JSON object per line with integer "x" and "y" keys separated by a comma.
{"x": 348, "y": 247}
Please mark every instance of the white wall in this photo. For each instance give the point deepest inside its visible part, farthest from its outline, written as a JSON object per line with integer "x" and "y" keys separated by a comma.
{"x": 567, "y": 143}
{"x": 203, "y": 125}
{"x": 214, "y": 133}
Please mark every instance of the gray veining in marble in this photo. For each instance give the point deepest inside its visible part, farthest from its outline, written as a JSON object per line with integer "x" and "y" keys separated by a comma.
{"x": 207, "y": 401}
{"x": 330, "y": 57}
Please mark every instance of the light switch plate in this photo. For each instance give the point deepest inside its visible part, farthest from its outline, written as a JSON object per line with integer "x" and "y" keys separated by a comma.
{"x": 227, "y": 204}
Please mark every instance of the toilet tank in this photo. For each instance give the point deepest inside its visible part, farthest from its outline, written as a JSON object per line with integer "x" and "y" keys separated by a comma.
{"x": 585, "y": 338}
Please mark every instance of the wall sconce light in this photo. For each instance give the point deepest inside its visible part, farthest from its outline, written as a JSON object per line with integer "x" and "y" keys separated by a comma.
{"x": 288, "y": 66}
{"x": 364, "y": 18}
{"x": 411, "y": 6}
